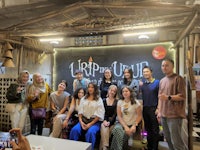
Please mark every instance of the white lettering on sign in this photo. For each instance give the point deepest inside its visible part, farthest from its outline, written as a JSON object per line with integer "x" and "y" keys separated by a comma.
{"x": 91, "y": 68}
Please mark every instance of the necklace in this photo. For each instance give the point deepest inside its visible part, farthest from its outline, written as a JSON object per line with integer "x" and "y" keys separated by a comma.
{"x": 109, "y": 101}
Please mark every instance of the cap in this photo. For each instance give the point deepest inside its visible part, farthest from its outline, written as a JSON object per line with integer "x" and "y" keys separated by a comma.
{"x": 78, "y": 71}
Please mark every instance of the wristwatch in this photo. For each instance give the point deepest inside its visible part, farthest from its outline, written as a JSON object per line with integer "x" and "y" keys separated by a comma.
{"x": 169, "y": 97}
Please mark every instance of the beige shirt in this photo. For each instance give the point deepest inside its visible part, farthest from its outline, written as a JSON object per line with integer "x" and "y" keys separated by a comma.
{"x": 129, "y": 113}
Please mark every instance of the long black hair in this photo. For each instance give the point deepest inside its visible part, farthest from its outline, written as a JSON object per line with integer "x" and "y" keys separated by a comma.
{"x": 96, "y": 91}
{"x": 111, "y": 78}
{"x": 75, "y": 95}
{"x": 130, "y": 71}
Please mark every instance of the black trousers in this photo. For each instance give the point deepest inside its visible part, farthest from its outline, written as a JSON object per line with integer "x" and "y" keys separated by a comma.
{"x": 152, "y": 127}
{"x": 36, "y": 124}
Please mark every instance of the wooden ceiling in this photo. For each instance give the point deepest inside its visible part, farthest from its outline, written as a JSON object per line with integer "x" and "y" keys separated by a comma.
{"x": 69, "y": 18}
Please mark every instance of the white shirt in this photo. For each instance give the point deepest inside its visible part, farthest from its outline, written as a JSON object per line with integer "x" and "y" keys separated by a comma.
{"x": 91, "y": 109}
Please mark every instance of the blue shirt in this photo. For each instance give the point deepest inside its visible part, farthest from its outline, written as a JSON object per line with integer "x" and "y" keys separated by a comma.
{"x": 150, "y": 93}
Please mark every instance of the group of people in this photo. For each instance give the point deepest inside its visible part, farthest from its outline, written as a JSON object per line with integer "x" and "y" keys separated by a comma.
{"x": 110, "y": 111}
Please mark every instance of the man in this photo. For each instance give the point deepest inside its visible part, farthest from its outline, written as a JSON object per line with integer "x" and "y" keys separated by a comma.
{"x": 149, "y": 91}
{"x": 171, "y": 106}
{"x": 80, "y": 81}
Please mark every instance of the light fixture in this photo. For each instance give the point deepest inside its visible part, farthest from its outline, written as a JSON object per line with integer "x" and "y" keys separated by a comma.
{"x": 8, "y": 62}
{"x": 143, "y": 37}
{"x": 54, "y": 42}
{"x": 139, "y": 33}
{"x": 51, "y": 39}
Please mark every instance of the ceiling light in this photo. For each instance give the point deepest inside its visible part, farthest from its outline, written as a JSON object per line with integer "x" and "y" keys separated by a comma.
{"x": 143, "y": 37}
{"x": 54, "y": 42}
{"x": 51, "y": 39}
{"x": 139, "y": 33}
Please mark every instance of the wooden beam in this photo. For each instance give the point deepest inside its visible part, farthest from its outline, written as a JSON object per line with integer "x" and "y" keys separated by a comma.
{"x": 45, "y": 16}
{"x": 187, "y": 30}
{"x": 137, "y": 5}
{"x": 47, "y": 51}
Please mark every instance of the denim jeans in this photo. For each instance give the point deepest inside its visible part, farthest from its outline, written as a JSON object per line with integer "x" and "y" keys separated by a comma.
{"x": 172, "y": 128}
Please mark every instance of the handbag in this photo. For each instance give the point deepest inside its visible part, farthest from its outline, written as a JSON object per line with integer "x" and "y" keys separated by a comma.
{"x": 10, "y": 108}
{"x": 86, "y": 120}
{"x": 38, "y": 113}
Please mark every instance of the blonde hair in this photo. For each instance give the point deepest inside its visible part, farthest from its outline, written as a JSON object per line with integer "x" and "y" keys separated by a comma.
{"x": 113, "y": 86}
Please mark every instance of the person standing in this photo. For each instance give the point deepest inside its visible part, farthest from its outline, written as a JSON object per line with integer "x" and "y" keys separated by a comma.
{"x": 171, "y": 106}
{"x": 80, "y": 81}
{"x": 59, "y": 101}
{"x": 16, "y": 95}
{"x": 130, "y": 81}
{"x": 106, "y": 82}
{"x": 38, "y": 97}
{"x": 91, "y": 114}
{"x": 149, "y": 90}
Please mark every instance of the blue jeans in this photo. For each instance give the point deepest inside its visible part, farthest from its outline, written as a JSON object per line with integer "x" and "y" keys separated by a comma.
{"x": 172, "y": 128}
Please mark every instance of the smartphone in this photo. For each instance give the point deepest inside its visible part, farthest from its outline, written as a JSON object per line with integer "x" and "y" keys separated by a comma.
{"x": 5, "y": 138}
{"x": 13, "y": 137}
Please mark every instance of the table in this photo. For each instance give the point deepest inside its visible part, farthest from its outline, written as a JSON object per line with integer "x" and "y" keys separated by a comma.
{"x": 50, "y": 143}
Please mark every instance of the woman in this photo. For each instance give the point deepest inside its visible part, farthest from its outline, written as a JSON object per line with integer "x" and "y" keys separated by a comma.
{"x": 59, "y": 101}
{"x": 38, "y": 95}
{"x": 129, "y": 81}
{"x": 129, "y": 113}
{"x": 106, "y": 82}
{"x": 91, "y": 113}
{"x": 16, "y": 96}
{"x": 110, "y": 105}
{"x": 72, "y": 115}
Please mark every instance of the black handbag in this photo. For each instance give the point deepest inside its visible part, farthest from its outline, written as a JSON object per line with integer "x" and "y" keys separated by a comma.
{"x": 86, "y": 120}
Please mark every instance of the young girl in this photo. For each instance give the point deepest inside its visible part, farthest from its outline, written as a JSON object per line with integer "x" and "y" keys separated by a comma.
{"x": 129, "y": 113}
{"x": 110, "y": 105}
{"x": 72, "y": 115}
{"x": 91, "y": 113}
